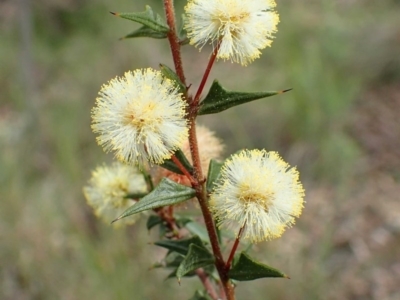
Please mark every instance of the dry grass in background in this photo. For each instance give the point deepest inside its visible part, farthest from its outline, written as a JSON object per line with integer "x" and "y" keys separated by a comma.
{"x": 340, "y": 126}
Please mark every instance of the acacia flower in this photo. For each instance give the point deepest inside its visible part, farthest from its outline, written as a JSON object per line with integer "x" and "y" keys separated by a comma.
{"x": 108, "y": 189}
{"x": 243, "y": 28}
{"x": 258, "y": 191}
{"x": 140, "y": 117}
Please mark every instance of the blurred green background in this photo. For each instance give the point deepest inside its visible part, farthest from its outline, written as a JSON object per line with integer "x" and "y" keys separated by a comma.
{"x": 340, "y": 125}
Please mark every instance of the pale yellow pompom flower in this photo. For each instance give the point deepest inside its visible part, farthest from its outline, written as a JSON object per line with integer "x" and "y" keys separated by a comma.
{"x": 140, "y": 117}
{"x": 257, "y": 190}
{"x": 243, "y": 28}
{"x": 108, "y": 188}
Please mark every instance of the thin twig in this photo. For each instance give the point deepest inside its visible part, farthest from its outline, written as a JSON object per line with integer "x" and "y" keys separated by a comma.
{"x": 184, "y": 171}
{"x": 196, "y": 99}
{"x": 234, "y": 248}
{"x": 207, "y": 283}
{"x": 173, "y": 39}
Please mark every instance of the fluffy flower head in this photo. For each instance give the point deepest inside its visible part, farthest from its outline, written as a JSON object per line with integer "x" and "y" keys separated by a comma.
{"x": 107, "y": 190}
{"x": 257, "y": 190}
{"x": 140, "y": 117}
{"x": 243, "y": 28}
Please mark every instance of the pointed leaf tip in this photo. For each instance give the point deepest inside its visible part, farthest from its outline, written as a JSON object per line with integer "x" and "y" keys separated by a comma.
{"x": 287, "y": 90}
{"x": 117, "y": 219}
{"x": 219, "y": 99}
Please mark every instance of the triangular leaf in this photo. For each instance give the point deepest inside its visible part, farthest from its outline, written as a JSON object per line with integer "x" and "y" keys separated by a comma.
{"x": 197, "y": 257}
{"x": 214, "y": 169}
{"x": 171, "y": 166}
{"x": 147, "y": 18}
{"x": 145, "y": 31}
{"x": 168, "y": 192}
{"x": 180, "y": 246}
{"x": 218, "y": 99}
{"x": 170, "y": 74}
{"x": 248, "y": 269}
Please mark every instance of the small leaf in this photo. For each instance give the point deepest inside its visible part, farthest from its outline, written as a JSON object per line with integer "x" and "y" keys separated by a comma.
{"x": 147, "y": 18}
{"x": 145, "y": 31}
{"x": 153, "y": 221}
{"x": 170, "y": 74}
{"x": 248, "y": 269}
{"x": 168, "y": 192}
{"x": 214, "y": 169}
{"x": 218, "y": 99}
{"x": 180, "y": 246}
{"x": 197, "y": 257}
{"x": 171, "y": 166}
{"x": 200, "y": 295}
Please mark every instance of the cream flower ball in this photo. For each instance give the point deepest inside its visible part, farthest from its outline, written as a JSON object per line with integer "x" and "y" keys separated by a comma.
{"x": 140, "y": 117}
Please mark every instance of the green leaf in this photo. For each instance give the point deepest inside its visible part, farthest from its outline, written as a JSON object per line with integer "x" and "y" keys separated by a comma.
{"x": 197, "y": 257}
{"x": 145, "y": 31}
{"x": 170, "y": 74}
{"x": 200, "y": 295}
{"x": 214, "y": 169}
{"x": 136, "y": 196}
{"x": 181, "y": 221}
{"x": 180, "y": 246}
{"x": 153, "y": 221}
{"x": 168, "y": 192}
{"x": 171, "y": 166}
{"x": 147, "y": 18}
{"x": 247, "y": 269}
{"x": 173, "y": 274}
{"x": 218, "y": 99}
{"x": 173, "y": 260}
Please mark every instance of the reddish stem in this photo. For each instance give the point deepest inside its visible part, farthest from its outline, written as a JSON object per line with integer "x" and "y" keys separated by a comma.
{"x": 205, "y": 76}
{"x": 184, "y": 171}
{"x": 234, "y": 248}
{"x": 207, "y": 283}
{"x": 198, "y": 182}
{"x": 173, "y": 39}
{"x": 212, "y": 233}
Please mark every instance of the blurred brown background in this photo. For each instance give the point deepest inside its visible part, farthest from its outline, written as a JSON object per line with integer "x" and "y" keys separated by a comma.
{"x": 340, "y": 126}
